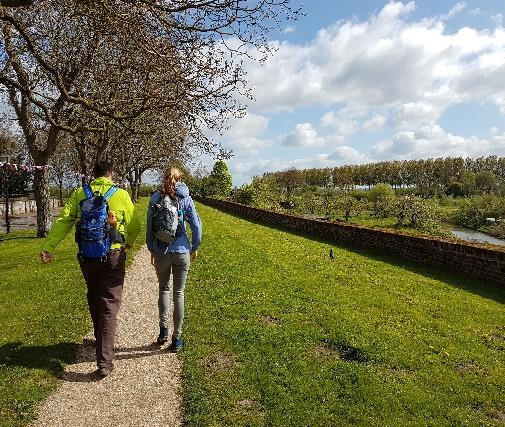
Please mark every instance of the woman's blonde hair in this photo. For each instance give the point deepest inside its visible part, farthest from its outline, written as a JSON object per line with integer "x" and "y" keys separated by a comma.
{"x": 172, "y": 176}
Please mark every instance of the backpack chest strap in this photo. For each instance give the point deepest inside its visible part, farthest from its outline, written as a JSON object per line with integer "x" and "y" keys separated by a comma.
{"x": 110, "y": 192}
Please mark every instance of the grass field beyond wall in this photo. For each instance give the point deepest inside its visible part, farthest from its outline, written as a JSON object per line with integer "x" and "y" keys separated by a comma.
{"x": 43, "y": 318}
{"x": 279, "y": 335}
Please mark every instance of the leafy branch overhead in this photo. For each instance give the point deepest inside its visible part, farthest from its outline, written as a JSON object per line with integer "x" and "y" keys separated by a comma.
{"x": 105, "y": 70}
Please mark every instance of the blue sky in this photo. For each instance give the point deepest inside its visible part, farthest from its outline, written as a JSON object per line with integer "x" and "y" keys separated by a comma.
{"x": 364, "y": 81}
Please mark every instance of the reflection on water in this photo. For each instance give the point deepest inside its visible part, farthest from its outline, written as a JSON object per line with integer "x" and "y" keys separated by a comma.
{"x": 475, "y": 236}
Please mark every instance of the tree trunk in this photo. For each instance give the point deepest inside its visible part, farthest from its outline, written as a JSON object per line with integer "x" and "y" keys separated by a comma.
{"x": 7, "y": 204}
{"x": 80, "y": 146}
{"x": 131, "y": 182}
{"x": 60, "y": 187}
{"x": 42, "y": 200}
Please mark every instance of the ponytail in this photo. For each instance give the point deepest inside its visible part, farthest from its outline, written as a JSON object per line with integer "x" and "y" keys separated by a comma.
{"x": 172, "y": 176}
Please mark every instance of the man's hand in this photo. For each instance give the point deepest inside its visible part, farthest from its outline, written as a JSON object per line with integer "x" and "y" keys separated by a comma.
{"x": 194, "y": 255}
{"x": 46, "y": 257}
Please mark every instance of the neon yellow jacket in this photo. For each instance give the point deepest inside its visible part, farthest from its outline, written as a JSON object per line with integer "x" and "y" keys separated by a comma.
{"x": 120, "y": 204}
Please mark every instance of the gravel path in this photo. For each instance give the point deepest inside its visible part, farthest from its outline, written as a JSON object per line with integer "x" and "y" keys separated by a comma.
{"x": 143, "y": 389}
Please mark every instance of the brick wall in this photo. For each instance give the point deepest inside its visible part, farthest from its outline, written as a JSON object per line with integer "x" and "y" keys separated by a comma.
{"x": 479, "y": 261}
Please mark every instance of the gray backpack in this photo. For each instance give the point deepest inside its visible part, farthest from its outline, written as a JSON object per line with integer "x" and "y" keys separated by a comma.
{"x": 166, "y": 218}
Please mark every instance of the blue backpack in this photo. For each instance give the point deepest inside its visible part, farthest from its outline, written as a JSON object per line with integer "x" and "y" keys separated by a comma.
{"x": 93, "y": 230}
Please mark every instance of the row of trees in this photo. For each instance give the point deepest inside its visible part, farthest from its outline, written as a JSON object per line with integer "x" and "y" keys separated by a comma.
{"x": 132, "y": 81}
{"x": 452, "y": 175}
{"x": 380, "y": 202}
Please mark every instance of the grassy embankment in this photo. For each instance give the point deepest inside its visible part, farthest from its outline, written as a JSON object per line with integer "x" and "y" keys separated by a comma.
{"x": 278, "y": 334}
{"x": 43, "y": 317}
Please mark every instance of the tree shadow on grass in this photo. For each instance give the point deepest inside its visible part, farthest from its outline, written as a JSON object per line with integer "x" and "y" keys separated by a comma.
{"x": 477, "y": 286}
{"x": 50, "y": 358}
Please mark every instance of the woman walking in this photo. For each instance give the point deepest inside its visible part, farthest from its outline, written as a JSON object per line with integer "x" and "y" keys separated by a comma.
{"x": 171, "y": 251}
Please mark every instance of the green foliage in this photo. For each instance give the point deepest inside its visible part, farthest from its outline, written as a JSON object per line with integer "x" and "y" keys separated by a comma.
{"x": 266, "y": 192}
{"x": 476, "y": 209}
{"x": 350, "y": 206}
{"x": 467, "y": 182}
{"x": 417, "y": 212}
{"x": 380, "y": 191}
{"x": 244, "y": 195}
{"x": 146, "y": 190}
{"x": 382, "y": 198}
{"x": 485, "y": 182}
{"x": 289, "y": 180}
{"x": 363, "y": 340}
{"x": 219, "y": 182}
{"x": 427, "y": 177}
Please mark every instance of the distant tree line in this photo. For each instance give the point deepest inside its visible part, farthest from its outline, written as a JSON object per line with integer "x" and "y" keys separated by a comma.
{"x": 455, "y": 176}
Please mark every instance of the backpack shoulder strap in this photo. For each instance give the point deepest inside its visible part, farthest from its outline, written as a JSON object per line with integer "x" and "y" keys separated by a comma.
{"x": 88, "y": 192}
{"x": 110, "y": 192}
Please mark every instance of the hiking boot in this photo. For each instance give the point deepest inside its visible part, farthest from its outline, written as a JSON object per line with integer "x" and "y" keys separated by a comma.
{"x": 163, "y": 336}
{"x": 176, "y": 345}
{"x": 103, "y": 372}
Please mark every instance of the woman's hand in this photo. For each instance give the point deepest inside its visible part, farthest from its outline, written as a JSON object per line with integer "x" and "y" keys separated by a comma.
{"x": 194, "y": 255}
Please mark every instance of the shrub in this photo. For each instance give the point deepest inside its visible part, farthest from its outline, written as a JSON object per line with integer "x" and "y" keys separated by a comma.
{"x": 475, "y": 210}
{"x": 350, "y": 206}
{"x": 243, "y": 195}
{"x": 146, "y": 190}
{"x": 382, "y": 198}
{"x": 380, "y": 191}
{"x": 419, "y": 213}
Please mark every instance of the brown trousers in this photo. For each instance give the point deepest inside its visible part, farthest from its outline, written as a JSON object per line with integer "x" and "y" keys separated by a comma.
{"x": 104, "y": 280}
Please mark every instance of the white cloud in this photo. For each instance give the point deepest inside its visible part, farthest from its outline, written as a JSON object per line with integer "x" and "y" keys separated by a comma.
{"x": 344, "y": 126}
{"x": 384, "y": 63}
{"x": 433, "y": 141}
{"x": 494, "y": 131}
{"x": 243, "y": 171}
{"x": 497, "y": 19}
{"x": 391, "y": 69}
{"x": 375, "y": 123}
{"x": 250, "y": 125}
{"x": 455, "y": 10}
{"x": 500, "y": 101}
{"x": 249, "y": 146}
{"x": 289, "y": 29}
{"x": 303, "y": 135}
{"x": 347, "y": 155}
{"x": 411, "y": 115}
{"x": 244, "y": 135}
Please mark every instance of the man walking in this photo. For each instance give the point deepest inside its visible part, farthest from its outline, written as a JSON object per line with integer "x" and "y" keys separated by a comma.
{"x": 102, "y": 261}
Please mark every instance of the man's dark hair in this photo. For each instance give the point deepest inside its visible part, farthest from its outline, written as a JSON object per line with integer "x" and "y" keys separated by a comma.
{"x": 102, "y": 168}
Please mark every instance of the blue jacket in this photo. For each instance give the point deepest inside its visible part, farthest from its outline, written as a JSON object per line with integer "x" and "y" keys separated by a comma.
{"x": 181, "y": 243}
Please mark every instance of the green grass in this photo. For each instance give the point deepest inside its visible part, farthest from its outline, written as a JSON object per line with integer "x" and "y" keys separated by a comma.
{"x": 43, "y": 317}
{"x": 279, "y": 335}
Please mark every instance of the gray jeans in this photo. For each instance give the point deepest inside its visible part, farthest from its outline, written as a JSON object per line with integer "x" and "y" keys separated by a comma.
{"x": 165, "y": 264}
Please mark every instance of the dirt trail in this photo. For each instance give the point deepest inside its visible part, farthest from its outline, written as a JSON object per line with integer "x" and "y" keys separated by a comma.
{"x": 144, "y": 388}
